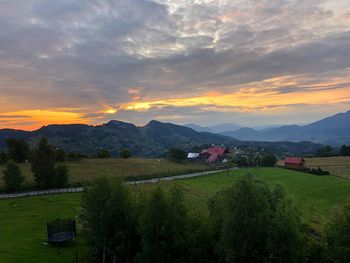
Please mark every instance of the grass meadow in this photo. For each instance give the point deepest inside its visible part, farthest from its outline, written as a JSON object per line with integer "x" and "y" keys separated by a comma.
{"x": 22, "y": 220}
{"x": 339, "y": 166}
{"x": 86, "y": 169}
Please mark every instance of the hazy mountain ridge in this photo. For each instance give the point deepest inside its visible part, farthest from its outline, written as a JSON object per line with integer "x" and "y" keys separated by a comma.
{"x": 334, "y": 130}
{"x": 153, "y": 139}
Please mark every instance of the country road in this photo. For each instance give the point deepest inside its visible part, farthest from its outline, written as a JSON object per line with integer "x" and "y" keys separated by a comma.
{"x": 81, "y": 189}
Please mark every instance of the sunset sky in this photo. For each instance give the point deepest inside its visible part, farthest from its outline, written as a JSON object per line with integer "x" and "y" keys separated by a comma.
{"x": 248, "y": 62}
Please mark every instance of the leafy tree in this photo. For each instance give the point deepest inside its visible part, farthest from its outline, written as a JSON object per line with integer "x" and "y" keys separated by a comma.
{"x": 18, "y": 150}
{"x": 177, "y": 155}
{"x": 268, "y": 160}
{"x": 109, "y": 222}
{"x": 43, "y": 164}
{"x": 345, "y": 150}
{"x": 103, "y": 153}
{"x": 337, "y": 236}
{"x": 61, "y": 175}
{"x": 258, "y": 225}
{"x": 60, "y": 155}
{"x": 12, "y": 176}
{"x": 126, "y": 153}
{"x": 164, "y": 228}
{"x": 3, "y": 157}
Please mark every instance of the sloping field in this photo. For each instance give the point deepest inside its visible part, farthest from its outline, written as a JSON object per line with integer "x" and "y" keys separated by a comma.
{"x": 22, "y": 220}
{"x": 339, "y": 166}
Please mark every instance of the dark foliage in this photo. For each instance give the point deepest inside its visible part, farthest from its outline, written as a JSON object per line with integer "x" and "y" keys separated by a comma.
{"x": 177, "y": 155}
{"x": 60, "y": 155}
{"x": 268, "y": 160}
{"x": 61, "y": 176}
{"x": 13, "y": 177}
{"x": 18, "y": 150}
{"x": 326, "y": 151}
{"x": 3, "y": 157}
{"x": 125, "y": 154}
{"x": 103, "y": 153}
{"x": 345, "y": 150}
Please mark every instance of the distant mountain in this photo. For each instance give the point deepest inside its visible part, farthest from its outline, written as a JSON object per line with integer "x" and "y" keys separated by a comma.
{"x": 334, "y": 130}
{"x": 153, "y": 139}
{"x": 218, "y": 128}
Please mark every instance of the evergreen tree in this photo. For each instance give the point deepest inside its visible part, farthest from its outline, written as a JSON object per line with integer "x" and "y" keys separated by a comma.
{"x": 13, "y": 177}
{"x": 43, "y": 164}
{"x": 61, "y": 175}
{"x": 18, "y": 150}
{"x": 3, "y": 157}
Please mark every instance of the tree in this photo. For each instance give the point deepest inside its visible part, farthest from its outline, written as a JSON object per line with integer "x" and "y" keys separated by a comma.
{"x": 109, "y": 222}
{"x": 18, "y": 150}
{"x": 43, "y": 164}
{"x": 60, "y": 155}
{"x": 268, "y": 160}
{"x": 177, "y": 155}
{"x": 337, "y": 236}
{"x": 13, "y": 177}
{"x": 126, "y": 153}
{"x": 345, "y": 150}
{"x": 257, "y": 224}
{"x": 103, "y": 153}
{"x": 326, "y": 151}
{"x": 3, "y": 157}
{"x": 61, "y": 175}
{"x": 165, "y": 229}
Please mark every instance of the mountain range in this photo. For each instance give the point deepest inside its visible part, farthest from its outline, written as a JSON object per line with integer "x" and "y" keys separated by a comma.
{"x": 333, "y": 130}
{"x": 153, "y": 139}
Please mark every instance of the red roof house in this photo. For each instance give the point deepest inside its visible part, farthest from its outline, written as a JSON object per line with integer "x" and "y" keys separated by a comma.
{"x": 215, "y": 154}
{"x": 296, "y": 163}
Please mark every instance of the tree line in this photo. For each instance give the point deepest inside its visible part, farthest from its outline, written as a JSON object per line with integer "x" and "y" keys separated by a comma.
{"x": 247, "y": 222}
{"x": 46, "y": 165}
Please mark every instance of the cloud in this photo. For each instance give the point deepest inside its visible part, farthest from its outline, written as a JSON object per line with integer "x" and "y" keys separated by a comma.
{"x": 100, "y": 56}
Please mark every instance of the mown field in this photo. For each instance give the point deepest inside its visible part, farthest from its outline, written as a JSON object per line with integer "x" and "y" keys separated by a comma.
{"x": 339, "y": 166}
{"x": 22, "y": 221}
{"x": 86, "y": 169}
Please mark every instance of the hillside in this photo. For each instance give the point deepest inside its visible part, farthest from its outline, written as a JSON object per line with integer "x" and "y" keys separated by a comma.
{"x": 334, "y": 130}
{"x": 153, "y": 139}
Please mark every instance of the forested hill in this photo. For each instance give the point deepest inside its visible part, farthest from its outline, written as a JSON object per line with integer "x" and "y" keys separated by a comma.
{"x": 153, "y": 139}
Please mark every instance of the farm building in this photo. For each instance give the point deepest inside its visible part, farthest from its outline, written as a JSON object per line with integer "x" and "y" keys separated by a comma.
{"x": 192, "y": 156}
{"x": 215, "y": 154}
{"x": 296, "y": 163}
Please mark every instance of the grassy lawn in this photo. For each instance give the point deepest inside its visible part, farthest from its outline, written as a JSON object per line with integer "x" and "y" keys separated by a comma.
{"x": 22, "y": 221}
{"x": 23, "y": 228}
{"x": 87, "y": 169}
{"x": 339, "y": 166}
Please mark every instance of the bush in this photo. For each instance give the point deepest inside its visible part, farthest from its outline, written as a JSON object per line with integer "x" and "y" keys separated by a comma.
{"x": 3, "y": 158}
{"x": 126, "y": 153}
{"x": 13, "y": 177}
{"x": 268, "y": 160}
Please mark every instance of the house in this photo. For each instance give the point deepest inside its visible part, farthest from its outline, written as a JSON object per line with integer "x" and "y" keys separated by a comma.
{"x": 215, "y": 154}
{"x": 296, "y": 163}
{"x": 192, "y": 156}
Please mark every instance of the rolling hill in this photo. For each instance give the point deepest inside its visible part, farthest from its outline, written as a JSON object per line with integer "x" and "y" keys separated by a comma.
{"x": 153, "y": 139}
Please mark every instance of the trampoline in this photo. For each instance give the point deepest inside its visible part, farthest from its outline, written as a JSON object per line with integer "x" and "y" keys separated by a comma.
{"x": 60, "y": 231}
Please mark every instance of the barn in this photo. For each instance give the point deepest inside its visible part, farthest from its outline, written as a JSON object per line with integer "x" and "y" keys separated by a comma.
{"x": 296, "y": 163}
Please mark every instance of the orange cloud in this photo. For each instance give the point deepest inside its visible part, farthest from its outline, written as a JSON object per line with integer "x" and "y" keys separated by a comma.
{"x": 33, "y": 119}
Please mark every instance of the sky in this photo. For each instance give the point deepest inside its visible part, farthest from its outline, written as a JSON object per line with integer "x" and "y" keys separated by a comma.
{"x": 248, "y": 62}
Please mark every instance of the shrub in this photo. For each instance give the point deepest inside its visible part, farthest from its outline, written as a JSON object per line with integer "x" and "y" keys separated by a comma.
{"x": 61, "y": 175}
{"x": 126, "y": 153}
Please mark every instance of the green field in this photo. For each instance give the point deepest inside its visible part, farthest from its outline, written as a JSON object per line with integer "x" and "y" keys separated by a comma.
{"x": 86, "y": 169}
{"x": 22, "y": 221}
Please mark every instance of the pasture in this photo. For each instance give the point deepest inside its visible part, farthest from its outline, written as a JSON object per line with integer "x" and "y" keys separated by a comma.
{"x": 22, "y": 221}
{"x": 339, "y": 166}
{"x": 86, "y": 169}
